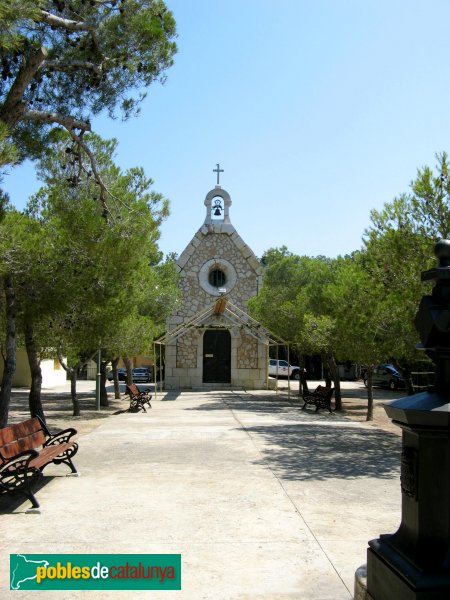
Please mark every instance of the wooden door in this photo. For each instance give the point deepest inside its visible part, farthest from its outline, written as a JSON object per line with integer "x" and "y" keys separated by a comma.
{"x": 217, "y": 356}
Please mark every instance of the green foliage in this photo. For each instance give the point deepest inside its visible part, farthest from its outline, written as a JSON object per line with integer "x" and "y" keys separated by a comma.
{"x": 424, "y": 214}
{"x": 62, "y": 61}
{"x": 106, "y": 285}
{"x": 14, "y": 14}
{"x": 292, "y": 292}
{"x": 399, "y": 246}
{"x": 362, "y": 307}
{"x": 8, "y": 150}
{"x": 361, "y": 316}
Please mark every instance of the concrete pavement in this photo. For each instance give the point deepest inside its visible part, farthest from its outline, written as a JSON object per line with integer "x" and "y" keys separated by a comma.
{"x": 262, "y": 500}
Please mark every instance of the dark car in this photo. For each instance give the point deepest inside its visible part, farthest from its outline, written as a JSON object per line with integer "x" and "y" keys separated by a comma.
{"x": 386, "y": 376}
{"x": 142, "y": 374}
{"x": 121, "y": 374}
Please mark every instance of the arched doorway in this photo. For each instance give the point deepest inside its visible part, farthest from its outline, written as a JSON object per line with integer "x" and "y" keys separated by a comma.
{"x": 217, "y": 356}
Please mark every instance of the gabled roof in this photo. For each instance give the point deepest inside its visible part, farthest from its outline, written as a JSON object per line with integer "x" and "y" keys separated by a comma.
{"x": 221, "y": 228}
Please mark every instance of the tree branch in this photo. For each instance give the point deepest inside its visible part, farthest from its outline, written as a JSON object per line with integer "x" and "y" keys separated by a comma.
{"x": 70, "y": 124}
{"x": 76, "y": 64}
{"x": 67, "y": 24}
{"x": 44, "y": 116}
{"x": 103, "y": 189}
{"x": 13, "y": 108}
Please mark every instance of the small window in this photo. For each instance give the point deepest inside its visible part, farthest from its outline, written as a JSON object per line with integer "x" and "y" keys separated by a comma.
{"x": 272, "y": 363}
{"x": 217, "y": 278}
{"x": 283, "y": 363}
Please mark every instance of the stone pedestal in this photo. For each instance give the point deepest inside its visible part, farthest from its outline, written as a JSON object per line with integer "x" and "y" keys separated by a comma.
{"x": 361, "y": 592}
{"x": 414, "y": 562}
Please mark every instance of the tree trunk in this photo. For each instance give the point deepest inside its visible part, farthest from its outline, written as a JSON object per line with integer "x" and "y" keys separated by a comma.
{"x": 114, "y": 364}
{"x": 408, "y": 381}
{"x": 10, "y": 349}
{"x": 73, "y": 372}
{"x": 369, "y": 416}
{"x": 303, "y": 384}
{"x": 334, "y": 372}
{"x": 103, "y": 392}
{"x": 128, "y": 364}
{"x": 73, "y": 392}
{"x": 34, "y": 397}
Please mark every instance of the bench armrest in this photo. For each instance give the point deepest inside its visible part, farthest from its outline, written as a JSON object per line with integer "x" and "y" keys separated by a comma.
{"x": 61, "y": 437}
{"x": 23, "y": 458}
{"x": 16, "y": 474}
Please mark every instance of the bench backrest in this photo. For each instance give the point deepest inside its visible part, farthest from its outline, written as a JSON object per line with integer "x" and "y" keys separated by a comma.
{"x": 326, "y": 392}
{"x": 133, "y": 390}
{"x": 22, "y": 436}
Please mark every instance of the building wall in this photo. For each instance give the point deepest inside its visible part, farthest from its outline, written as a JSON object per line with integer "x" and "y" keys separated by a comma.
{"x": 53, "y": 374}
{"x": 221, "y": 247}
{"x": 249, "y": 359}
{"x": 215, "y": 244}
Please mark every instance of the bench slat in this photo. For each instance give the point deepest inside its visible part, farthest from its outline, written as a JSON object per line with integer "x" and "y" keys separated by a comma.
{"x": 35, "y": 440}
{"x": 19, "y": 430}
{"x": 47, "y": 454}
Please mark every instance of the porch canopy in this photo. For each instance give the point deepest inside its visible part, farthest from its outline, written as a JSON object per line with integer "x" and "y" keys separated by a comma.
{"x": 222, "y": 314}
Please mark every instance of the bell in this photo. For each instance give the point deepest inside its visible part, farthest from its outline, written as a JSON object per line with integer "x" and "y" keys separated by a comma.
{"x": 217, "y": 212}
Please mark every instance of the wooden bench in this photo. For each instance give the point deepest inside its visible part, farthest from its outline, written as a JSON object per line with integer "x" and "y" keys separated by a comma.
{"x": 320, "y": 397}
{"x": 138, "y": 398}
{"x": 26, "y": 448}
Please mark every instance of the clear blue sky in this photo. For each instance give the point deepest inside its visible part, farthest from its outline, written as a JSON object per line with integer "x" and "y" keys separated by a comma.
{"x": 318, "y": 110}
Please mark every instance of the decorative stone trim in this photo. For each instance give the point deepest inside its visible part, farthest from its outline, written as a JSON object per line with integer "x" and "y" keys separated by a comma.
{"x": 211, "y": 265}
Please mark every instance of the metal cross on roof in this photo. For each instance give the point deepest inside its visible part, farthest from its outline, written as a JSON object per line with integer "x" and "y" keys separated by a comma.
{"x": 218, "y": 171}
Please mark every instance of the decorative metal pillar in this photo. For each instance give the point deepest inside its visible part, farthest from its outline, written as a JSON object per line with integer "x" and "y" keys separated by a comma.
{"x": 414, "y": 562}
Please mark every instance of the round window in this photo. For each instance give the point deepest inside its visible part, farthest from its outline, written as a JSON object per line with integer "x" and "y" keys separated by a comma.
{"x": 217, "y": 275}
{"x": 217, "y": 278}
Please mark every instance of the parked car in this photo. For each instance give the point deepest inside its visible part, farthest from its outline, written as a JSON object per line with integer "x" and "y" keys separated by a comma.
{"x": 284, "y": 369}
{"x": 142, "y": 374}
{"x": 386, "y": 376}
{"x": 121, "y": 374}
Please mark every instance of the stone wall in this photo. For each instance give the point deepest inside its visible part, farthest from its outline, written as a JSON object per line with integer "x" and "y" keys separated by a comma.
{"x": 223, "y": 244}
{"x": 187, "y": 350}
{"x": 247, "y": 352}
{"x": 215, "y": 246}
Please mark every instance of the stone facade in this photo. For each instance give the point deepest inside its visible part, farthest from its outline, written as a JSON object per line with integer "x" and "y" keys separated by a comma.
{"x": 247, "y": 352}
{"x": 217, "y": 263}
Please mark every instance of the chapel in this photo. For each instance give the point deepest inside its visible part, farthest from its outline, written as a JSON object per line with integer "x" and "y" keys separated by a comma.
{"x": 211, "y": 342}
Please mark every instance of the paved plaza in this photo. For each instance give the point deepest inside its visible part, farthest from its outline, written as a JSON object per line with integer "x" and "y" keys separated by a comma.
{"x": 264, "y": 501}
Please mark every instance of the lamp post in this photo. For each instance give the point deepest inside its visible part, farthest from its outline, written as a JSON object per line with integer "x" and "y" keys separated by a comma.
{"x": 97, "y": 381}
{"x": 414, "y": 562}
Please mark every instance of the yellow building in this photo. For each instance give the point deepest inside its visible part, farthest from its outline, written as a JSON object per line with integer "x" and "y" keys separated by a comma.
{"x": 53, "y": 374}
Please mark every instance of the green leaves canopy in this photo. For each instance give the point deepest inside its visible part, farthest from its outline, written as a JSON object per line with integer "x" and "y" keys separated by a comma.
{"x": 63, "y": 61}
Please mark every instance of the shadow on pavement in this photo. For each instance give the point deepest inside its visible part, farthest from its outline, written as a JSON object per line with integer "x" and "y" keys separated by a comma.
{"x": 288, "y": 410}
{"x": 307, "y": 449}
{"x": 311, "y": 451}
{"x": 11, "y": 502}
